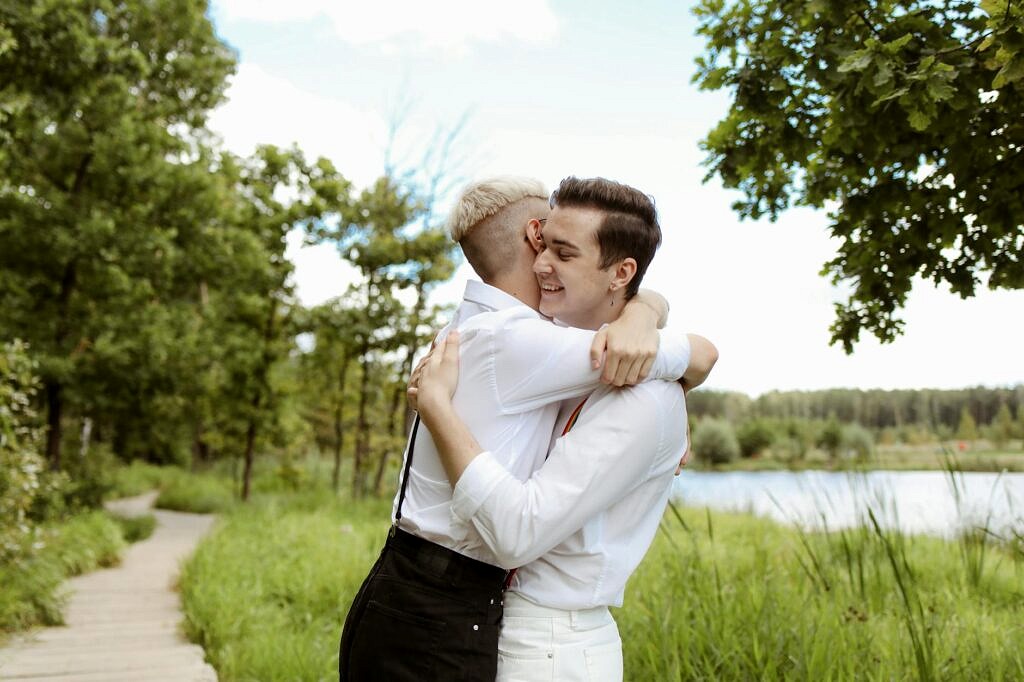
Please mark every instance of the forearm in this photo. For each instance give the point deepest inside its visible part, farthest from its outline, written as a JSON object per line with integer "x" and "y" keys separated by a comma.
{"x": 653, "y": 300}
{"x": 703, "y": 356}
{"x": 456, "y": 445}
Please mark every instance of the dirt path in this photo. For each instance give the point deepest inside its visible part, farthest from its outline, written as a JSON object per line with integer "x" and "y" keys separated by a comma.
{"x": 122, "y": 623}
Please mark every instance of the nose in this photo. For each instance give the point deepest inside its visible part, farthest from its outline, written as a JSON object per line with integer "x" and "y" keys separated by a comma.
{"x": 542, "y": 263}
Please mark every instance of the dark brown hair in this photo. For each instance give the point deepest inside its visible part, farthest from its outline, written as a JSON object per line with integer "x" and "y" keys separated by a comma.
{"x": 630, "y": 227}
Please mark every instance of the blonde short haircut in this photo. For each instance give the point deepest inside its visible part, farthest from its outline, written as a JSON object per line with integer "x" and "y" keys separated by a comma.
{"x": 483, "y": 199}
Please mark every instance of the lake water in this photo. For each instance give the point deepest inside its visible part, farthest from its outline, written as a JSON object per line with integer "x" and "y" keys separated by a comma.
{"x": 914, "y": 501}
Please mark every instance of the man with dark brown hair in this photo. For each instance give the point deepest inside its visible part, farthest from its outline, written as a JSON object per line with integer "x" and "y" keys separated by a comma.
{"x": 431, "y": 607}
{"x": 581, "y": 524}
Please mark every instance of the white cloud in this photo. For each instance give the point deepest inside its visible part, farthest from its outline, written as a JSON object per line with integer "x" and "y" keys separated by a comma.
{"x": 448, "y": 24}
{"x": 320, "y": 272}
{"x": 265, "y": 109}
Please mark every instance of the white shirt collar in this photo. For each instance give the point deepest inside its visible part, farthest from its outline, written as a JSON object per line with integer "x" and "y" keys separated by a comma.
{"x": 488, "y": 296}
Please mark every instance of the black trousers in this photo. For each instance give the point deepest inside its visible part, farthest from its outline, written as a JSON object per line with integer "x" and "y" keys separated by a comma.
{"x": 424, "y": 613}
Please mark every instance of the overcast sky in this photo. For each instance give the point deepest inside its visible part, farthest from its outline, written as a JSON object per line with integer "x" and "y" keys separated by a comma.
{"x": 586, "y": 88}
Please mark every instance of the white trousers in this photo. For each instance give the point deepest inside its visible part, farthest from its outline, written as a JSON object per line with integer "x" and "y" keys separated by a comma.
{"x": 544, "y": 644}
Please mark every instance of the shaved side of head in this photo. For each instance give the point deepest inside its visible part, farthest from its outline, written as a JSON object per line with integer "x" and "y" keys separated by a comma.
{"x": 488, "y": 221}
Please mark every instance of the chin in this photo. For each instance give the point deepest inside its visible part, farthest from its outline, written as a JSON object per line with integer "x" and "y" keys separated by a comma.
{"x": 547, "y": 309}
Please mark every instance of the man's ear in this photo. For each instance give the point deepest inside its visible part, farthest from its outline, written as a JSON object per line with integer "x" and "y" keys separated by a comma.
{"x": 625, "y": 271}
{"x": 533, "y": 228}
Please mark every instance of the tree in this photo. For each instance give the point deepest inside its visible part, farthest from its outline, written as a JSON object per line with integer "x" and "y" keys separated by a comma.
{"x": 830, "y": 437}
{"x": 754, "y": 436}
{"x": 903, "y": 115}
{"x": 100, "y": 107}
{"x": 967, "y": 429}
{"x": 1002, "y": 425}
{"x": 714, "y": 440}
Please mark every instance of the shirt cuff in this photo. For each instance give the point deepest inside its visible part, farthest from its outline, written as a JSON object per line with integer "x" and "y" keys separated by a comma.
{"x": 477, "y": 482}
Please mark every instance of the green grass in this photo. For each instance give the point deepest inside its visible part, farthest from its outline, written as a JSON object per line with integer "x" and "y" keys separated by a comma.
{"x": 265, "y": 594}
{"x": 135, "y": 528}
{"x": 719, "y": 597}
{"x": 139, "y": 477}
{"x": 200, "y": 493}
{"x": 30, "y": 589}
{"x": 731, "y": 597}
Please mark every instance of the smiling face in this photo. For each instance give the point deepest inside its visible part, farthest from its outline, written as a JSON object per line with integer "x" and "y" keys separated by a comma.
{"x": 574, "y": 288}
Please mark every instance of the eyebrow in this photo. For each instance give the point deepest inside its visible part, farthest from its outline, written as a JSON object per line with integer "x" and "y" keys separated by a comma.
{"x": 562, "y": 242}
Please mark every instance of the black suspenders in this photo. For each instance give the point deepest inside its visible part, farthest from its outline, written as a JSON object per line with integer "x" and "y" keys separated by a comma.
{"x": 405, "y": 472}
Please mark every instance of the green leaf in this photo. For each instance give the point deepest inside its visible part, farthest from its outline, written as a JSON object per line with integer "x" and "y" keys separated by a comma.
{"x": 894, "y": 46}
{"x": 1012, "y": 71}
{"x": 857, "y": 61}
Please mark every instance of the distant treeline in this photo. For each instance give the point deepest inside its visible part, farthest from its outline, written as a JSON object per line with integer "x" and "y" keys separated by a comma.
{"x": 875, "y": 408}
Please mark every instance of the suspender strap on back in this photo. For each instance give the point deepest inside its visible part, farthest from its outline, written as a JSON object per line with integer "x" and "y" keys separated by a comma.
{"x": 405, "y": 472}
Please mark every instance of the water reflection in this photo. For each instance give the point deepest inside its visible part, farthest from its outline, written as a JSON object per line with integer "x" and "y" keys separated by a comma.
{"x": 914, "y": 501}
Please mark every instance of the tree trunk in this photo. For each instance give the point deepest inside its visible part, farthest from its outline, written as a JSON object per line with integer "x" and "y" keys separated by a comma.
{"x": 54, "y": 388}
{"x": 200, "y": 448}
{"x": 54, "y": 404}
{"x": 396, "y": 405}
{"x": 417, "y": 315}
{"x": 262, "y": 390}
{"x": 362, "y": 428}
{"x": 339, "y": 432}
{"x": 250, "y": 448}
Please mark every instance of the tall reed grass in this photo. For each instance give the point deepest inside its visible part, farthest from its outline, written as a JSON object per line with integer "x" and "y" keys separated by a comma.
{"x": 721, "y": 596}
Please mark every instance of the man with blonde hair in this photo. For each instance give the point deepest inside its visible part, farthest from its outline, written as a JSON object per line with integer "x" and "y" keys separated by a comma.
{"x": 431, "y": 607}
{"x": 580, "y": 525}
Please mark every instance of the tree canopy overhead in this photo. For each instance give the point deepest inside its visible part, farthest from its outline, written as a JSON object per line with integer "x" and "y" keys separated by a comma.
{"x": 904, "y": 118}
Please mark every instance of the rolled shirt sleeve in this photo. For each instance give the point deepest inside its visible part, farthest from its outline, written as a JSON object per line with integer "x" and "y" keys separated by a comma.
{"x": 588, "y": 469}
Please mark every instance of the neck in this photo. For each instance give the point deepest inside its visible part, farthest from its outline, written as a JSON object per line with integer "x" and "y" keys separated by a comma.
{"x": 522, "y": 287}
{"x": 600, "y": 315}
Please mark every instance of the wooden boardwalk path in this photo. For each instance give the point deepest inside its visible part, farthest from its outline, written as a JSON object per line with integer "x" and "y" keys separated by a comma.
{"x": 122, "y": 622}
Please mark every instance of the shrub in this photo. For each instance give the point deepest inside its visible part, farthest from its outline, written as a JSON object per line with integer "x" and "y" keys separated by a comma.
{"x": 856, "y": 441}
{"x": 135, "y": 528}
{"x": 29, "y": 588}
{"x": 91, "y": 477}
{"x": 197, "y": 493}
{"x": 830, "y": 437}
{"x": 139, "y": 477}
{"x": 715, "y": 441}
{"x": 754, "y": 437}
{"x": 22, "y": 470}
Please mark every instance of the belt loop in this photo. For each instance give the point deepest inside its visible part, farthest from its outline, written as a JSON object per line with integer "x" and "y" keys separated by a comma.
{"x": 573, "y": 618}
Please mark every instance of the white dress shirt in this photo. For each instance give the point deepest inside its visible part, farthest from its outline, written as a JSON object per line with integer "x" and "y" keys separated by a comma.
{"x": 515, "y": 368}
{"x": 582, "y": 523}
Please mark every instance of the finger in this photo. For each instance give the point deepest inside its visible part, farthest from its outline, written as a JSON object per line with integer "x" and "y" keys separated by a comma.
{"x": 435, "y": 356}
{"x": 611, "y": 368}
{"x": 622, "y": 371}
{"x": 411, "y": 395}
{"x": 633, "y": 376}
{"x": 645, "y": 368}
{"x": 451, "y": 348}
{"x": 598, "y": 347}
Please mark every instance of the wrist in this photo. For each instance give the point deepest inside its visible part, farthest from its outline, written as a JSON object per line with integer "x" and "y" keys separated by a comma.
{"x": 433, "y": 406}
{"x": 639, "y": 308}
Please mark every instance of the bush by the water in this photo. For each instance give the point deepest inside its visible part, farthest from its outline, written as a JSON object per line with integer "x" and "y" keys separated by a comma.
{"x": 714, "y": 441}
{"x": 857, "y": 442}
{"x": 754, "y": 437}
